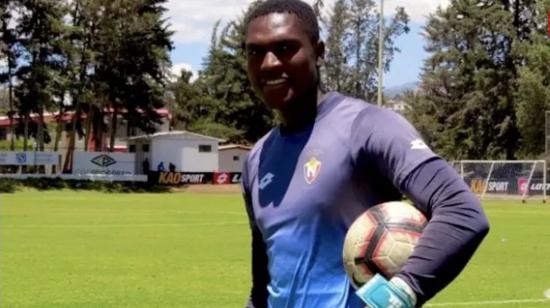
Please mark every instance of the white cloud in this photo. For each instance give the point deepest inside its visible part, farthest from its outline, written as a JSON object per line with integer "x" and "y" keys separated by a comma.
{"x": 418, "y": 10}
{"x": 176, "y": 68}
{"x": 192, "y": 20}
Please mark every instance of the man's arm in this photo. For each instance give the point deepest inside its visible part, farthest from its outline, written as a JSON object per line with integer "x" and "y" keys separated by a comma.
{"x": 456, "y": 227}
{"x": 384, "y": 142}
{"x": 260, "y": 274}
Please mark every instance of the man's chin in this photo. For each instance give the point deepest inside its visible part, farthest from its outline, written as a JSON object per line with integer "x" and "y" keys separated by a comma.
{"x": 278, "y": 102}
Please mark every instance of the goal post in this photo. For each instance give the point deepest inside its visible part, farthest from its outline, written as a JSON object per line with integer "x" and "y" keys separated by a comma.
{"x": 514, "y": 179}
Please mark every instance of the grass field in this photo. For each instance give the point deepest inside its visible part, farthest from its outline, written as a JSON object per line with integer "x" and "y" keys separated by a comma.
{"x": 90, "y": 249}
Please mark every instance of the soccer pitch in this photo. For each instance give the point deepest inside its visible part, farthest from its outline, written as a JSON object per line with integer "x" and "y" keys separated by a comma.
{"x": 91, "y": 249}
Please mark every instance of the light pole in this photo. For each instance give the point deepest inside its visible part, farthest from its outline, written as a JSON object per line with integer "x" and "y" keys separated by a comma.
{"x": 381, "y": 54}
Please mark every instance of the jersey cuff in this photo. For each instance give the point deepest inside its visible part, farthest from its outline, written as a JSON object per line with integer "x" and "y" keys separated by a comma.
{"x": 401, "y": 284}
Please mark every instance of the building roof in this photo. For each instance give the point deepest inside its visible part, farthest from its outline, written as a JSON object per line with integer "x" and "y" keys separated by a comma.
{"x": 175, "y": 133}
{"x": 234, "y": 146}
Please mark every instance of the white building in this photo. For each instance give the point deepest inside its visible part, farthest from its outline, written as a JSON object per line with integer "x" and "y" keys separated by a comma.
{"x": 398, "y": 105}
{"x": 232, "y": 157}
{"x": 188, "y": 152}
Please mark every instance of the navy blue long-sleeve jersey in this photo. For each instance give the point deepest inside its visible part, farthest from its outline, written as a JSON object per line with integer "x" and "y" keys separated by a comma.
{"x": 303, "y": 191}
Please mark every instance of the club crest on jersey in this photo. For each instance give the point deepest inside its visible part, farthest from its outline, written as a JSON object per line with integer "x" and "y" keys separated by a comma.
{"x": 312, "y": 169}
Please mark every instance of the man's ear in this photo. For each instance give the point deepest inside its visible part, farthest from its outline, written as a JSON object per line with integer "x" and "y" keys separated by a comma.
{"x": 320, "y": 53}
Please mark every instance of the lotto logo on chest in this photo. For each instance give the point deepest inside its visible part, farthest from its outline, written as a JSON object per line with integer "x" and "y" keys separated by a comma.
{"x": 312, "y": 168}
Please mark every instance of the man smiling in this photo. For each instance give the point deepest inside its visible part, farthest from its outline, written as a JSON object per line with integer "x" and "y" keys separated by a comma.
{"x": 331, "y": 158}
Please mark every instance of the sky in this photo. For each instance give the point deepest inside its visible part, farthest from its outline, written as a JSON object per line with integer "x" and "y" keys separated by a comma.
{"x": 192, "y": 22}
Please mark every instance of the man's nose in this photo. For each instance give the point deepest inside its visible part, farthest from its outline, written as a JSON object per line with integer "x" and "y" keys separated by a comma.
{"x": 270, "y": 61}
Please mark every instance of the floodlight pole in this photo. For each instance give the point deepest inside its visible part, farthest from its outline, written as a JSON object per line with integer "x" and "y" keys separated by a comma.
{"x": 381, "y": 54}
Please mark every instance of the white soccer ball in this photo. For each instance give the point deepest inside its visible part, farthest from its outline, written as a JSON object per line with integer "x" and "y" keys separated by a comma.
{"x": 381, "y": 240}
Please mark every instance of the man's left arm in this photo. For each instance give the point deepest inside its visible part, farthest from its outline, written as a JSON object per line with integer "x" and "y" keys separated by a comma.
{"x": 457, "y": 225}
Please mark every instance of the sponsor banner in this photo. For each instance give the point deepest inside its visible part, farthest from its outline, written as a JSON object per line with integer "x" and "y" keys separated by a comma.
{"x": 226, "y": 178}
{"x": 185, "y": 178}
{"x": 497, "y": 186}
{"x": 536, "y": 187}
{"x": 221, "y": 178}
{"x": 514, "y": 185}
{"x": 180, "y": 178}
{"x": 522, "y": 185}
{"x": 29, "y": 158}
{"x": 106, "y": 163}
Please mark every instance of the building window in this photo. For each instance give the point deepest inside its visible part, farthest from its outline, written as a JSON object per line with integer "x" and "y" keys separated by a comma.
{"x": 132, "y": 148}
{"x": 205, "y": 148}
{"x": 145, "y": 147}
{"x": 236, "y": 158}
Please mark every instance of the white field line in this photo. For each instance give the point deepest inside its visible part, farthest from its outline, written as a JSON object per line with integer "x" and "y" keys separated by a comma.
{"x": 483, "y": 303}
{"x": 47, "y": 226}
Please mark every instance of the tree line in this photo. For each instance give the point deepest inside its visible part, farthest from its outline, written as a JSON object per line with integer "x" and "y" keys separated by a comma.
{"x": 486, "y": 84}
{"x": 87, "y": 57}
{"x": 483, "y": 91}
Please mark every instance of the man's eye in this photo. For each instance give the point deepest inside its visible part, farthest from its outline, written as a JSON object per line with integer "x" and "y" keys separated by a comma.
{"x": 283, "y": 48}
{"x": 252, "y": 52}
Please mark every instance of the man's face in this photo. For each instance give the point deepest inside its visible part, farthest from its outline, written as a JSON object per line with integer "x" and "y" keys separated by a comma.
{"x": 281, "y": 59}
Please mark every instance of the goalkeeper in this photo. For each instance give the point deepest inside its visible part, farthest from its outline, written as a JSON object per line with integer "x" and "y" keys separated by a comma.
{"x": 331, "y": 158}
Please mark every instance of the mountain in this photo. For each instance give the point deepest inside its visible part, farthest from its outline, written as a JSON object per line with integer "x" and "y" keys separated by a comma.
{"x": 399, "y": 89}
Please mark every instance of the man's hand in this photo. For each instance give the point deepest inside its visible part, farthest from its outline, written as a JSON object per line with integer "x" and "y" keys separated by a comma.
{"x": 381, "y": 293}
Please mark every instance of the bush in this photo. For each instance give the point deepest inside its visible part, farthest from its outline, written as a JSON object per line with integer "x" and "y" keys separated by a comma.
{"x": 43, "y": 183}
{"x": 8, "y": 185}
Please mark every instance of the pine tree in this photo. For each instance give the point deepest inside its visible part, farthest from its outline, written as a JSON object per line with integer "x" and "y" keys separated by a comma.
{"x": 335, "y": 66}
{"x": 9, "y": 52}
{"x": 533, "y": 88}
{"x": 225, "y": 81}
{"x": 352, "y": 46}
{"x": 41, "y": 28}
{"x": 468, "y": 81}
{"x": 132, "y": 62}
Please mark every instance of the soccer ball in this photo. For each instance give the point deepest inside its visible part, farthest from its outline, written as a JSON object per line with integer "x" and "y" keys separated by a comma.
{"x": 381, "y": 240}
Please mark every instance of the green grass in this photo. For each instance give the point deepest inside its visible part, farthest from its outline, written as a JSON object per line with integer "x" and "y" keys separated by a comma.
{"x": 513, "y": 262}
{"x": 90, "y": 249}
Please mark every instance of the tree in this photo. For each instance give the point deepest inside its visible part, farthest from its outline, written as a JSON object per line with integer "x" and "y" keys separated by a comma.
{"x": 85, "y": 16}
{"x": 468, "y": 81}
{"x": 9, "y": 51}
{"x": 352, "y": 46}
{"x": 318, "y": 6}
{"x": 335, "y": 65}
{"x": 41, "y": 28}
{"x": 224, "y": 80}
{"x": 133, "y": 62}
{"x": 533, "y": 91}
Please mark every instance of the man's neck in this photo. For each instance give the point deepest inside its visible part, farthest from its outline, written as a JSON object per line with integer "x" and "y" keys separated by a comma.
{"x": 301, "y": 114}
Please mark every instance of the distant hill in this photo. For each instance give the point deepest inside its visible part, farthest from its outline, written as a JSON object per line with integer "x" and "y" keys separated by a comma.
{"x": 396, "y": 90}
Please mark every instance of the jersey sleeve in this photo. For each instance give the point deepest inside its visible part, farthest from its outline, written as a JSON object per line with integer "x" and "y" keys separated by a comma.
{"x": 385, "y": 141}
{"x": 456, "y": 227}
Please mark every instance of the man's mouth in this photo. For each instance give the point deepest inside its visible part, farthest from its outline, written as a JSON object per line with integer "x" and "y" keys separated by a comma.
{"x": 275, "y": 82}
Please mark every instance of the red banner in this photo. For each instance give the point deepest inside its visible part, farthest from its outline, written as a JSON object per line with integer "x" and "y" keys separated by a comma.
{"x": 222, "y": 178}
{"x": 522, "y": 185}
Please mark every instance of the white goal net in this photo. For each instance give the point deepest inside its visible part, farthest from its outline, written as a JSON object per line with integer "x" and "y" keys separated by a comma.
{"x": 522, "y": 179}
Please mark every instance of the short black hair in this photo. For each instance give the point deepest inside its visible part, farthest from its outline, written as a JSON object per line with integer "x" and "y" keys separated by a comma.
{"x": 301, "y": 9}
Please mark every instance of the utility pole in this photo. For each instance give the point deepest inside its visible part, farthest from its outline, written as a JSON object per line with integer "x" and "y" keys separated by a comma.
{"x": 381, "y": 54}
